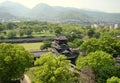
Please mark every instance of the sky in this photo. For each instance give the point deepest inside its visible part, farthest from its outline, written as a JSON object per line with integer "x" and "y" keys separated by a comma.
{"x": 111, "y": 6}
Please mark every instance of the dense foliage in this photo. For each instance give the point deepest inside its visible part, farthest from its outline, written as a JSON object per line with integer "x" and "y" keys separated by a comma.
{"x": 53, "y": 69}
{"x": 107, "y": 44}
{"x": 38, "y": 29}
{"x": 113, "y": 80}
{"x": 14, "y": 60}
{"x": 90, "y": 45}
{"x": 102, "y": 63}
{"x": 75, "y": 43}
{"x": 45, "y": 45}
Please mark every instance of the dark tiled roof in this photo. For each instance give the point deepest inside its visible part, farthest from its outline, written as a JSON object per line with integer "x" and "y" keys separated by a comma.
{"x": 60, "y": 38}
{"x": 62, "y": 46}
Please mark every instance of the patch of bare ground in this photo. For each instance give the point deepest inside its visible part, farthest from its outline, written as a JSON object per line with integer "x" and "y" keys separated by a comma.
{"x": 86, "y": 75}
{"x": 26, "y": 79}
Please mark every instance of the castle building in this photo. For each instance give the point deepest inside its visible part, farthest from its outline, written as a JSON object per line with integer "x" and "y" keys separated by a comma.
{"x": 60, "y": 47}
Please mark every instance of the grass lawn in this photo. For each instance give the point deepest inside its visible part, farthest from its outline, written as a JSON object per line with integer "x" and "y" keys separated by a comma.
{"x": 31, "y": 46}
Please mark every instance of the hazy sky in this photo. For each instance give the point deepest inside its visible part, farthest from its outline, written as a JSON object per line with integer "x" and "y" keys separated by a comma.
{"x": 101, "y": 5}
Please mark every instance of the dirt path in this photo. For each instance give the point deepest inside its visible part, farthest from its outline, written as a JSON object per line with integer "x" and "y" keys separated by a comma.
{"x": 84, "y": 77}
{"x": 26, "y": 79}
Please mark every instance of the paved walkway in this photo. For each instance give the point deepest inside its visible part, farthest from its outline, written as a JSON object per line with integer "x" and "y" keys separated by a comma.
{"x": 26, "y": 79}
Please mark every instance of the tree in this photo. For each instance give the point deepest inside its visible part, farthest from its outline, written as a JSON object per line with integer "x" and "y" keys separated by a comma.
{"x": 90, "y": 45}
{"x": 58, "y": 30}
{"x": 53, "y": 69}
{"x": 11, "y": 34}
{"x": 97, "y": 35}
{"x": 113, "y": 79}
{"x": 46, "y": 45}
{"x": 10, "y": 25}
{"x": 95, "y": 60}
{"x": 73, "y": 34}
{"x": 28, "y": 31}
{"x": 1, "y": 27}
{"x": 38, "y": 29}
{"x": 76, "y": 43}
{"x": 110, "y": 45}
{"x": 21, "y": 32}
{"x": 91, "y": 33}
{"x": 14, "y": 60}
{"x": 107, "y": 44}
{"x": 102, "y": 63}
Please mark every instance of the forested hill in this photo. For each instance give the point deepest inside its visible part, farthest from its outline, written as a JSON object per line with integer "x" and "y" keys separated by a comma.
{"x": 59, "y": 14}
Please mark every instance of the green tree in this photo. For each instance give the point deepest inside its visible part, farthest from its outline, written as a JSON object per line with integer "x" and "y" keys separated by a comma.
{"x": 10, "y": 25}
{"x": 90, "y": 45}
{"x": 102, "y": 64}
{"x": 58, "y": 30}
{"x": 97, "y": 35}
{"x": 91, "y": 33}
{"x": 45, "y": 45}
{"x": 1, "y": 27}
{"x": 14, "y": 60}
{"x": 107, "y": 44}
{"x": 73, "y": 34}
{"x": 21, "y": 32}
{"x": 53, "y": 69}
{"x": 113, "y": 79}
{"x": 76, "y": 43}
{"x": 38, "y": 29}
{"x": 28, "y": 32}
{"x": 11, "y": 34}
{"x": 96, "y": 60}
{"x": 110, "y": 45}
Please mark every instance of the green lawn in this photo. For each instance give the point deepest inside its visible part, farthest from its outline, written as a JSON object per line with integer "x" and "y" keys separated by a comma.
{"x": 31, "y": 46}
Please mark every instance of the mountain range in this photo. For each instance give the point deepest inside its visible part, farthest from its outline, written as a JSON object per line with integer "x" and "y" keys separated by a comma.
{"x": 14, "y": 11}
